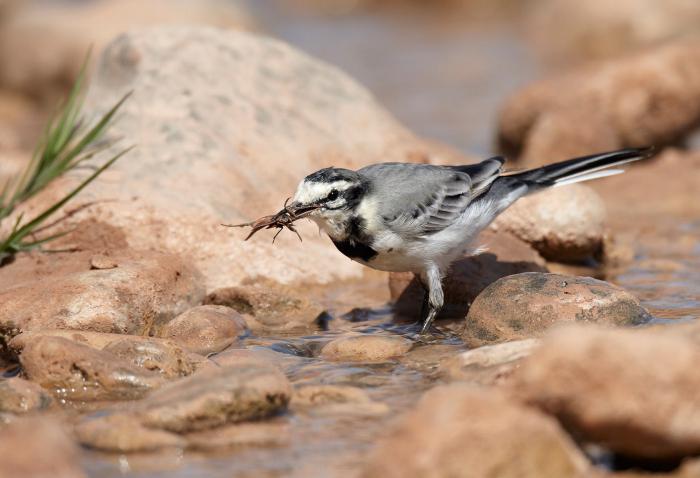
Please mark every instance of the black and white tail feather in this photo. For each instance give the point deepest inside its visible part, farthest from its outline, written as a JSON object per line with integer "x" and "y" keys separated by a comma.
{"x": 578, "y": 169}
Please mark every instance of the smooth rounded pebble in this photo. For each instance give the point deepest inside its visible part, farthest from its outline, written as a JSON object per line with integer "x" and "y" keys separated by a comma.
{"x": 73, "y": 371}
{"x": 526, "y": 305}
{"x": 365, "y": 348}
{"x": 205, "y": 329}
{"x": 21, "y": 396}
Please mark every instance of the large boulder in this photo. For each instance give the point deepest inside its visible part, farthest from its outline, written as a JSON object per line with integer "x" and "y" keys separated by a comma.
{"x": 226, "y": 124}
{"x": 527, "y": 305}
{"x": 564, "y": 224}
{"x": 462, "y": 431}
{"x": 567, "y": 31}
{"x": 631, "y": 391}
{"x": 647, "y": 99}
{"x": 41, "y": 49}
{"x": 140, "y": 291}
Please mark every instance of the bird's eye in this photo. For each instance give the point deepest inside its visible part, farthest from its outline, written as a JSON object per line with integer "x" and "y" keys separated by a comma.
{"x": 333, "y": 195}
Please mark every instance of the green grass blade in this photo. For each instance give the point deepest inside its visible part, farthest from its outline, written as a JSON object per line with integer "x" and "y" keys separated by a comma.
{"x": 27, "y": 228}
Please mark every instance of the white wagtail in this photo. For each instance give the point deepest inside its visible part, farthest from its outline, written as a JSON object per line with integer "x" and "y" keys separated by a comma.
{"x": 419, "y": 218}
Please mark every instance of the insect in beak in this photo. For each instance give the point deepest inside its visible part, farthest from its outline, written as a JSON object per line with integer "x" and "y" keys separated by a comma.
{"x": 283, "y": 219}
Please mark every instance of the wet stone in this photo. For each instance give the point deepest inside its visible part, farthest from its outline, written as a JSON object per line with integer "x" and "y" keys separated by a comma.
{"x": 124, "y": 434}
{"x": 21, "y": 396}
{"x": 268, "y": 306}
{"x": 490, "y": 364}
{"x": 258, "y": 354}
{"x": 215, "y": 397}
{"x": 163, "y": 356}
{"x": 313, "y": 395}
{"x": 365, "y": 348}
{"x": 526, "y": 305}
{"x": 205, "y": 329}
{"x": 428, "y": 358}
{"x": 74, "y": 371}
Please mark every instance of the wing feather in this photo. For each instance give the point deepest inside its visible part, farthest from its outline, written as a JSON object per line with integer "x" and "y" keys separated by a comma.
{"x": 419, "y": 199}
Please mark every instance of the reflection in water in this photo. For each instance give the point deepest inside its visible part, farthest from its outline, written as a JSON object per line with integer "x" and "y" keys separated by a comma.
{"x": 666, "y": 274}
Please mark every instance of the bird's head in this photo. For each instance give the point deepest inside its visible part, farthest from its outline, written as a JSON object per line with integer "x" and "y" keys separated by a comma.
{"x": 333, "y": 195}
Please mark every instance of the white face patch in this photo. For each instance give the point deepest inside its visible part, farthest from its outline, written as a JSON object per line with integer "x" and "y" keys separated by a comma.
{"x": 312, "y": 192}
{"x": 333, "y": 218}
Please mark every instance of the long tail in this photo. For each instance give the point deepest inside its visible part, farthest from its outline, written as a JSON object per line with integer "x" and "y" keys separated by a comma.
{"x": 579, "y": 169}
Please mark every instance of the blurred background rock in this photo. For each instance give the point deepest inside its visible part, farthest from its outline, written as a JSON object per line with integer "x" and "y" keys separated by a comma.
{"x": 442, "y": 67}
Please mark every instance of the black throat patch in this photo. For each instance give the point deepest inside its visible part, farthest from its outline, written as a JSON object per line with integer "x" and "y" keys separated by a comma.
{"x": 356, "y": 245}
{"x": 355, "y": 250}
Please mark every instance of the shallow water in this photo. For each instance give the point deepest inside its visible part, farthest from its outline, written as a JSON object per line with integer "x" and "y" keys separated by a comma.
{"x": 445, "y": 84}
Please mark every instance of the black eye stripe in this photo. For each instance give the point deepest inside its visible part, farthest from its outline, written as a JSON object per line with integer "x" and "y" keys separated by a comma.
{"x": 333, "y": 195}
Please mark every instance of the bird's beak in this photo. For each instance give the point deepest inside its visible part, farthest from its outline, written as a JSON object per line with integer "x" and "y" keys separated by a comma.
{"x": 297, "y": 210}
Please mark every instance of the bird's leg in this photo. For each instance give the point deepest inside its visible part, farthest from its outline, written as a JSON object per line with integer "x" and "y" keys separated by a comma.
{"x": 436, "y": 299}
{"x": 424, "y": 304}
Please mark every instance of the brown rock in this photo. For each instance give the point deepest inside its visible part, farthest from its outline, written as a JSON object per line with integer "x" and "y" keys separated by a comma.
{"x": 526, "y": 305}
{"x": 489, "y": 364}
{"x": 38, "y": 447}
{"x": 101, "y": 261}
{"x": 365, "y": 348}
{"x": 428, "y": 358}
{"x": 258, "y": 354}
{"x": 269, "y": 306}
{"x": 163, "y": 357}
{"x": 602, "y": 385}
{"x": 123, "y": 433}
{"x": 217, "y": 146}
{"x": 572, "y": 31}
{"x": 647, "y": 99}
{"x": 205, "y": 329}
{"x": 150, "y": 353}
{"x": 42, "y": 50}
{"x": 211, "y": 398}
{"x": 315, "y": 395}
{"x": 503, "y": 255}
{"x": 72, "y": 371}
{"x": 20, "y": 396}
{"x": 563, "y": 224}
{"x": 462, "y": 431}
{"x": 146, "y": 289}
{"x": 215, "y": 397}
